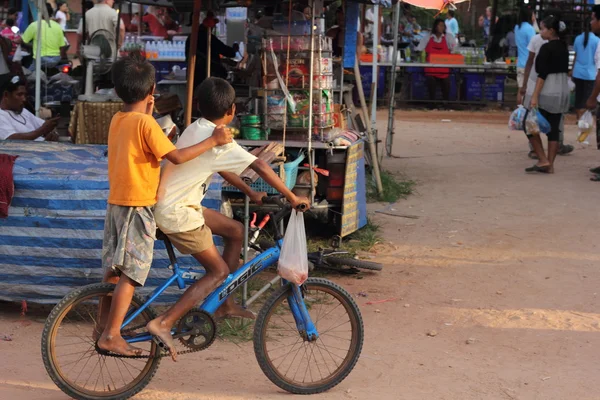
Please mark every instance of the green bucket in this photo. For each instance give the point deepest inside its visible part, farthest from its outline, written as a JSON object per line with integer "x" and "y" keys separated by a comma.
{"x": 250, "y": 120}
{"x": 252, "y": 133}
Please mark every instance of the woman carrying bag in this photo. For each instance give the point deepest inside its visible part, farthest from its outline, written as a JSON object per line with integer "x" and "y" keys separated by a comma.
{"x": 551, "y": 93}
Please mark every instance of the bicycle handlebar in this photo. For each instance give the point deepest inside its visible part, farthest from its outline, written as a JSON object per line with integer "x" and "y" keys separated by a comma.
{"x": 278, "y": 200}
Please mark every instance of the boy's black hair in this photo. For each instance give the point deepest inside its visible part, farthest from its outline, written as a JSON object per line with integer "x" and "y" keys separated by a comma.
{"x": 12, "y": 11}
{"x": 50, "y": 10}
{"x": 451, "y": 13}
{"x": 9, "y": 22}
{"x": 134, "y": 78}
{"x": 215, "y": 97}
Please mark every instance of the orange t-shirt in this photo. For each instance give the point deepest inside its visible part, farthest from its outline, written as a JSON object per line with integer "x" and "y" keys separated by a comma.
{"x": 136, "y": 144}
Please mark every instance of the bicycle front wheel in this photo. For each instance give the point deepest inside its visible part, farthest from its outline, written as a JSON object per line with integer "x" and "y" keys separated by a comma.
{"x": 69, "y": 349}
{"x": 303, "y": 367}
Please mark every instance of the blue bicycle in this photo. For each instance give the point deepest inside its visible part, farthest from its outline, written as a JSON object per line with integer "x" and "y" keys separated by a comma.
{"x": 307, "y": 339}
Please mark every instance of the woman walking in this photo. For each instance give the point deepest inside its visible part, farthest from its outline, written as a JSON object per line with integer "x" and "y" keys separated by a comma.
{"x": 551, "y": 93}
{"x": 584, "y": 68}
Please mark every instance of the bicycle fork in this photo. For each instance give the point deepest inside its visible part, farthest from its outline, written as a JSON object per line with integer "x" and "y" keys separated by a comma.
{"x": 306, "y": 328}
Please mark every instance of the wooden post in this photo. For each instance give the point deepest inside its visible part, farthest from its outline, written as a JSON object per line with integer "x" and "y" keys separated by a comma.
{"x": 192, "y": 62}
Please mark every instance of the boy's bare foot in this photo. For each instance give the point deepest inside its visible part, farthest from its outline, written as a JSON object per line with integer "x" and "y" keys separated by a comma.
{"x": 117, "y": 345}
{"x": 163, "y": 332}
{"x": 233, "y": 310}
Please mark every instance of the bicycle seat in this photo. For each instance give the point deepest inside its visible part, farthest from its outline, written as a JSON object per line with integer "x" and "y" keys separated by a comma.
{"x": 160, "y": 235}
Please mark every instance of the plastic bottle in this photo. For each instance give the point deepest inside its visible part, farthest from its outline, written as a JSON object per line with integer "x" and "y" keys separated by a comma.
{"x": 407, "y": 54}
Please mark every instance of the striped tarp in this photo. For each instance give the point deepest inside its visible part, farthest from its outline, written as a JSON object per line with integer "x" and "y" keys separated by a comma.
{"x": 52, "y": 240}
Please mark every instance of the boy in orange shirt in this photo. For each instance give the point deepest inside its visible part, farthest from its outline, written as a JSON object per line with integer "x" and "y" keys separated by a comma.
{"x": 136, "y": 145}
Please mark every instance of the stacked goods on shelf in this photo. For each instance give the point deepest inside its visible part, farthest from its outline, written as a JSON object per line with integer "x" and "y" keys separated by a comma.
{"x": 290, "y": 79}
{"x": 251, "y": 127}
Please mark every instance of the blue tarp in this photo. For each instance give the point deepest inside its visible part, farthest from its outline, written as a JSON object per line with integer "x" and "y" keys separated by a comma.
{"x": 52, "y": 240}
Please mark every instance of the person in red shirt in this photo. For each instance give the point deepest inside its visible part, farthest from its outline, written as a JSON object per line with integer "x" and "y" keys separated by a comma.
{"x": 439, "y": 42}
{"x": 159, "y": 22}
{"x": 10, "y": 35}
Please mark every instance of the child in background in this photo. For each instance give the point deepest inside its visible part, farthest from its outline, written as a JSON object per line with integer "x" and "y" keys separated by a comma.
{"x": 136, "y": 145}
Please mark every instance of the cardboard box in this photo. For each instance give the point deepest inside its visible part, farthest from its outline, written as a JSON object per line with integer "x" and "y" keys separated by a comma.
{"x": 447, "y": 59}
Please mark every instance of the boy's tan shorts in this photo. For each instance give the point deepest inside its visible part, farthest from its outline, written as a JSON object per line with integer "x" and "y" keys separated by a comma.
{"x": 192, "y": 242}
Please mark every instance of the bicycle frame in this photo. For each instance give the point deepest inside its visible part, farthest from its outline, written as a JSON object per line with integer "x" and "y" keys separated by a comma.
{"x": 185, "y": 277}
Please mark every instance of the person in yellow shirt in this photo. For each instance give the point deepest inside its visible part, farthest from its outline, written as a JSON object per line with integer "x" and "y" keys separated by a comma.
{"x": 53, "y": 47}
{"x": 136, "y": 145}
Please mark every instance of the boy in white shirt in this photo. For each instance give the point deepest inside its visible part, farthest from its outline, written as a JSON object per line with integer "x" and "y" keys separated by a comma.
{"x": 188, "y": 226}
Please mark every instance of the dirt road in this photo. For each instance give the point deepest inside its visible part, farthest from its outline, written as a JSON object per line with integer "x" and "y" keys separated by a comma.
{"x": 500, "y": 270}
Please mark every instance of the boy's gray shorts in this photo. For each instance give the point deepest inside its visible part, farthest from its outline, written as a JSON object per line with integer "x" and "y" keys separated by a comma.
{"x": 128, "y": 245}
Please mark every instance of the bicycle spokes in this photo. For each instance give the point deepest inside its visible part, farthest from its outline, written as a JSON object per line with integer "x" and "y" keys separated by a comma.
{"x": 300, "y": 360}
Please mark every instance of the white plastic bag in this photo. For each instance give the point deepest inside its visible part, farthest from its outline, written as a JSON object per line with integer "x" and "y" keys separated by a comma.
{"x": 585, "y": 125}
{"x": 293, "y": 261}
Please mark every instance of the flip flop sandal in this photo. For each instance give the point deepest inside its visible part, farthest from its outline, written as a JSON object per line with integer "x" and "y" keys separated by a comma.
{"x": 536, "y": 168}
{"x": 595, "y": 178}
{"x": 107, "y": 353}
{"x": 595, "y": 170}
{"x": 532, "y": 155}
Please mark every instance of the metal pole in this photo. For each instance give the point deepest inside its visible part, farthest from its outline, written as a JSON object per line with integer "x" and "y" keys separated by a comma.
{"x": 269, "y": 285}
{"x": 389, "y": 139}
{"x": 118, "y": 34}
{"x": 246, "y": 232}
{"x": 208, "y": 45}
{"x": 38, "y": 58}
{"x": 370, "y": 136}
{"x": 192, "y": 62}
{"x": 310, "y": 101}
{"x": 375, "y": 69}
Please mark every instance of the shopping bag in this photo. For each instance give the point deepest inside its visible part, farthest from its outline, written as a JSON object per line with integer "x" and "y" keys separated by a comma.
{"x": 517, "y": 119}
{"x": 293, "y": 261}
{"x": 535, "y": 123}
{"x": 585, "y": 124}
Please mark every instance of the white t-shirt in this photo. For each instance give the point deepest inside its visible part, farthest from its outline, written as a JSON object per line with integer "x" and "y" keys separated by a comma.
{"x": 61, "y": 17}
{"x": 182, "y": 187}
{"x": 18, "y": 123}
{"x": 534, "y": 46}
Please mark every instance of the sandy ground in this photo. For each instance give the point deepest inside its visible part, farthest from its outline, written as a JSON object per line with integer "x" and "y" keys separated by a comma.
{"x": 501, "y": 268}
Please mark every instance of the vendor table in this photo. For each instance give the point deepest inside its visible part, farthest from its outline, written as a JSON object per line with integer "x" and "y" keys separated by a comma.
{"x": 470, "y": 84}
{"x": 90, "y": 121}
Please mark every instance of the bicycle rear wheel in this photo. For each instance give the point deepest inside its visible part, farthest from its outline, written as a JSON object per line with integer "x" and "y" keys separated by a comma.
{"x": 302, "y": 367}
{"x": 70, "y": 356}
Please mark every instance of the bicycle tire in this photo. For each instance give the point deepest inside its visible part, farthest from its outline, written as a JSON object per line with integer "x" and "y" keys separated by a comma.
{"x": 260, "y": 338}
{"x": 50, "y": 328}
{"x": 351, "y": 262}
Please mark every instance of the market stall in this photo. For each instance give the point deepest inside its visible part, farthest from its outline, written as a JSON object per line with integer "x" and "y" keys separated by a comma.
{"x": 52, "y": 238}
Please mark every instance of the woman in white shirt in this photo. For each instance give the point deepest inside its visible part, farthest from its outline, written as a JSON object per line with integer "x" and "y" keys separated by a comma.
{"x": 62, "y": 15}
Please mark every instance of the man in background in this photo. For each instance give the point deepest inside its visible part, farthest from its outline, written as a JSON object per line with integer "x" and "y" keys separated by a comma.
{"x": 102, "y": 17}
{"x": 53, "y": 46}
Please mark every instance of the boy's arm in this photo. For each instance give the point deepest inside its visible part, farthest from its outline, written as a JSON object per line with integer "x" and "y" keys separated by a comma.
{"x": 221, "y": 136}
{"x": 236, "y": 181}
{"x": 265, "y": 171}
